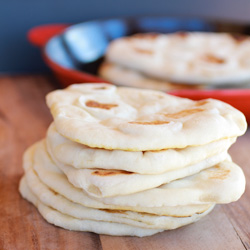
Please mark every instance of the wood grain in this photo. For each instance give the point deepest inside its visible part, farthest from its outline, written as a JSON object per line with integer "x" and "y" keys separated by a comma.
{"x": 24, "y": 119}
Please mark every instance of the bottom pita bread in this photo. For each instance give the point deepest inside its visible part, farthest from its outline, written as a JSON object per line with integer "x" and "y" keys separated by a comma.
{"x": 61, "y": 204}
{"x": 54, "y": 217}
{"x": 66, "y": 206}
{"x": 101, "y": 227}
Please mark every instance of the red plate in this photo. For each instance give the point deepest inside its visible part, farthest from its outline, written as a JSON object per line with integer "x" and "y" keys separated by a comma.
{"x": 63, "y": 51}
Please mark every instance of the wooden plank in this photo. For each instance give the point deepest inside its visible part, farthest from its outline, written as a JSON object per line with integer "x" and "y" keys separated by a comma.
{"x": 24, "y": 119}
{"x": 239, "y": 212}
{"x": 213, "y": 232}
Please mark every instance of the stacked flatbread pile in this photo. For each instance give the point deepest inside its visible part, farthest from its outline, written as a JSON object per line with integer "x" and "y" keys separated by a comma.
{"x": 166, "y": 61}
{"x": 125, "y": 161}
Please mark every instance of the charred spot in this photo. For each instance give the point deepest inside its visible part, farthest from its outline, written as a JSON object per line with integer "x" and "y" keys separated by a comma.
{"x": 53, "y": 191}
{"x": 150, "y": 122}
{"x": 113, "y": 211}
{"x": 213, "y": 59}
{"x": 201, "y": 103}
{"x": 101, "y": 88}
{"x": 95, "y": 104}
{"x": 219, "y": 174}
{"x": 103, "y": 172}
{"x": 183, "y": 113}
{"x": 144, "y": 51}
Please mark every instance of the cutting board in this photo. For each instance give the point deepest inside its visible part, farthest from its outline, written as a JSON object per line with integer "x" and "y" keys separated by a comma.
{"x": 24, "y": 119}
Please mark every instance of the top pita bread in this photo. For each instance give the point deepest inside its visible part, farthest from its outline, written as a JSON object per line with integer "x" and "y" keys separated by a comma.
{"x": 204, "y": 58}
{"x": 105, "y": 116}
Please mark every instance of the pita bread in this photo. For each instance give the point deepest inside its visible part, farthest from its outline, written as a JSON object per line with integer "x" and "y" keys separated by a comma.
{"x": 106, "y": 183}
{"x": 185, "y": 57}
{"x": 56, "y": 181}
{"x": 144, "y": 220}
{"x": 223, "y": 183}
{"x": 122, "y": 76}
{"x": 71, "y": 223}
{"x": 148, "y": 162}
{"x": 105, "y": 116}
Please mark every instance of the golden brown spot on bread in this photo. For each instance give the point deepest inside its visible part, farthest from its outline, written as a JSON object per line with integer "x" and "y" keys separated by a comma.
{"x": 183, "y": 113}
{"x": 172, "y": 215}
{"x": 144, "y": 51}
{"x": 213, "y": 59}
{"x": 53, "y": 191}
{"x": 219, "y": 174}
{"x": 113, "y": 211}
{"x": 201, "y": 103}
{"x": 103, "y": 172}
{"x": 101, "y": 88}
{"x": 150, "y": 123}
{"x": 95, "y": 104}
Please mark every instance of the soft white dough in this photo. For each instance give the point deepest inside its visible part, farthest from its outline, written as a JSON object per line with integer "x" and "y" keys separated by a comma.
{"x": 148, "y": 162}
{"x": 109, "y": 117}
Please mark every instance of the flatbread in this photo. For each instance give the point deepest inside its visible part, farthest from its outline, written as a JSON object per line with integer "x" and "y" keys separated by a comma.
{"x": 106, "y": 183}
{"x": 105, "y": 116}
{"x": 56, "y": 181}
{"x": 128, "y": 77}
{"x": 68, "y": 222}
{"x": 185, "y": 57}
{"x": 143, "y": 220}
{"x": 148, "y": 162}
{"x": 223, "y": 183}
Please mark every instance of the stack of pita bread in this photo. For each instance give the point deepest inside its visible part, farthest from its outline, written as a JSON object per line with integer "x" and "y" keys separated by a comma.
{"x": 166, "y": 61}
{"x": 126, "y": 161}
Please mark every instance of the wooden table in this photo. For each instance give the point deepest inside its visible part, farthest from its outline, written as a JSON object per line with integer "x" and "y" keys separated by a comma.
{"x": 24, "y": 119}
